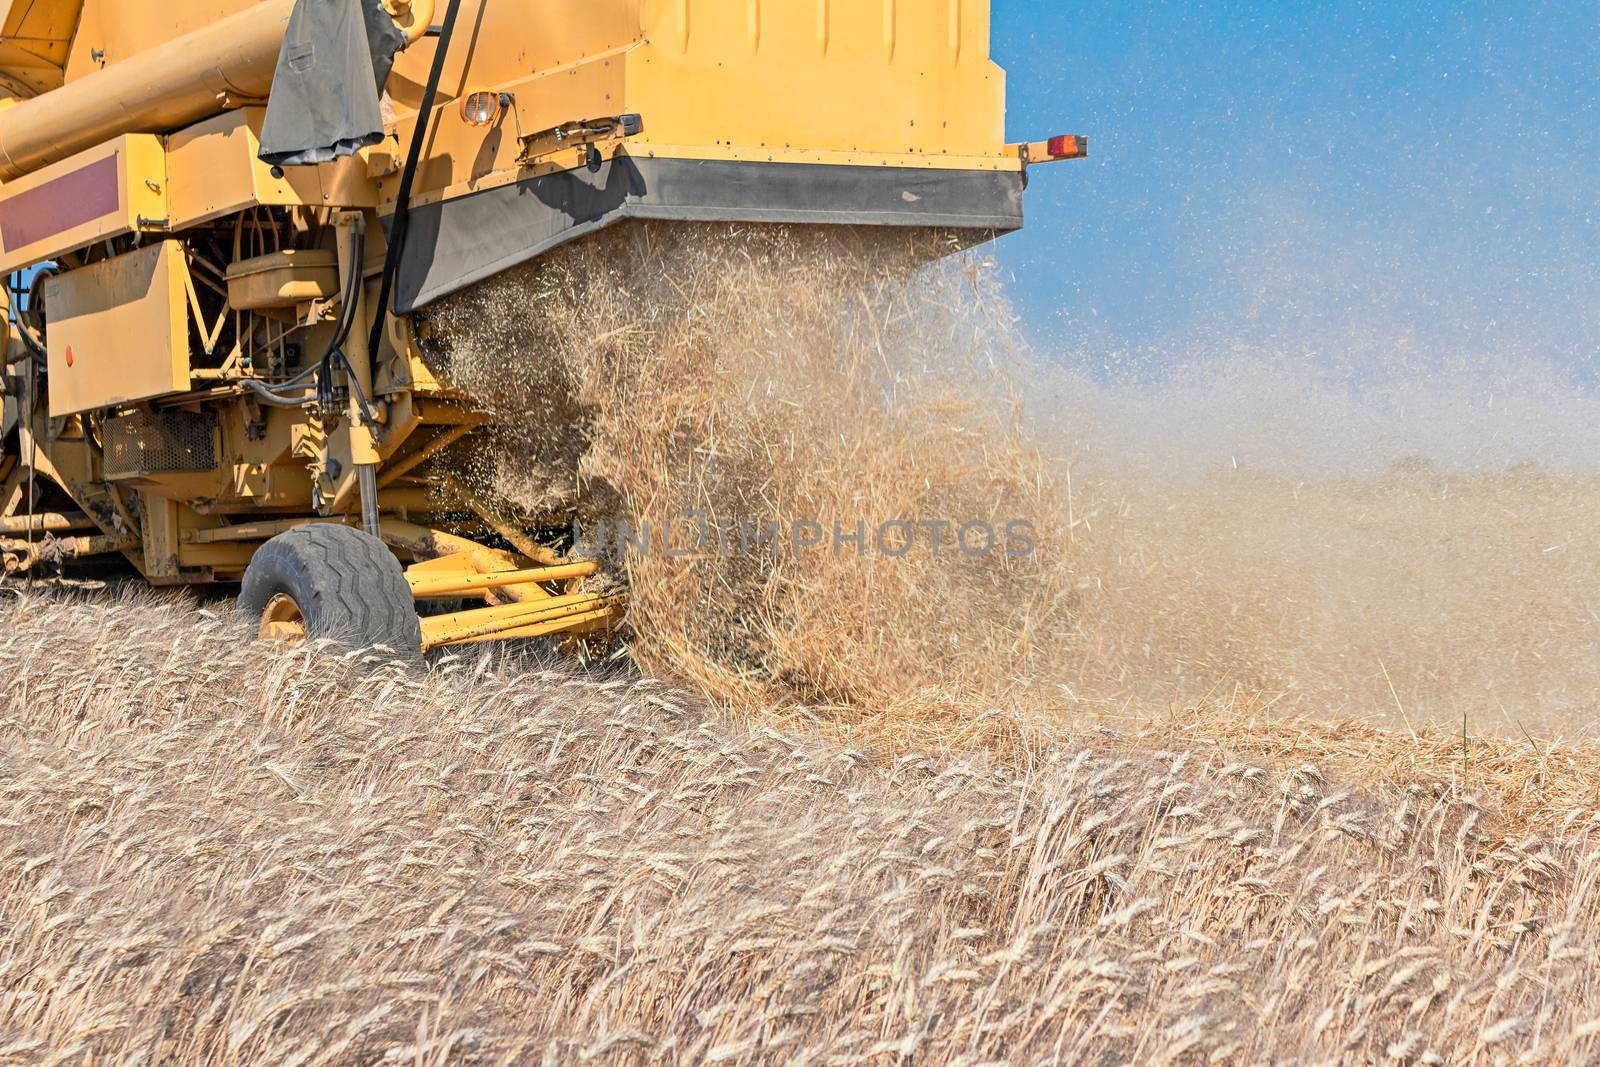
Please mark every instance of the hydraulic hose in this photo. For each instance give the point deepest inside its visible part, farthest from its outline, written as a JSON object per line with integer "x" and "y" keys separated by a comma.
{"x": 402, "y": 207}
{"x": 341, "y": 334}
{"x": 292, "y": 393}
{"x": 275, "y": 399}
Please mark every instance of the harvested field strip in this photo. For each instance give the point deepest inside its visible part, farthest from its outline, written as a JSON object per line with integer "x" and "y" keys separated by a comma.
{"x": 213, "y": 854}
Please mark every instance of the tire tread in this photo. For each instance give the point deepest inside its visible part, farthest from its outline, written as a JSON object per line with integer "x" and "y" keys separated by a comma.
{"x": 349, "y": 585}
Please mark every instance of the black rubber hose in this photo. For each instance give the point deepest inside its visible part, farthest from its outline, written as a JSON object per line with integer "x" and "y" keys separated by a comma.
{"x": 34, "y": 344}
{"x": 276, "y": 399}
{"x": 402, "y": 206}
{"x": 351, "y": 294}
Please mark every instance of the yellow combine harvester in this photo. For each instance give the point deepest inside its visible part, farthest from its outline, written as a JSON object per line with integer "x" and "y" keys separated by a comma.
{"x": 220, "y": 217}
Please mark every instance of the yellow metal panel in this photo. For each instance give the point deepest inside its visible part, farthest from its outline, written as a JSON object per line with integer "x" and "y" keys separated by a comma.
{"x": 113, "y": 189}
{"x": 113, "y": 30}
{"x": 462, "y": 155}
{"x": 214, "y": 172}
{"x": 498, "y": 43}
{"x": 160, "y": 529}
{"x": 119, "y": 330}
{"x": 44, "y": 25}
{"x": 34, "y": 38}
{"x": 908, "y": 77}
{"x": 570, "y": 66}
{"x": 905, "y": 83}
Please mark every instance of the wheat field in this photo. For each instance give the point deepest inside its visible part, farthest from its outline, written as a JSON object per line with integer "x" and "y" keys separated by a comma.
{"x": 1247, "y": 769}
{"x": 213, "y": 853}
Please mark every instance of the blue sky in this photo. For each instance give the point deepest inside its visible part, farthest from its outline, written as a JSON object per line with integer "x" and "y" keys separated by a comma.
{"x": 1417, "y": 174}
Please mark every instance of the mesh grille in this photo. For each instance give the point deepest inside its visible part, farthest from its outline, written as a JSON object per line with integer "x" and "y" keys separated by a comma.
{"x": 160, "y": 442}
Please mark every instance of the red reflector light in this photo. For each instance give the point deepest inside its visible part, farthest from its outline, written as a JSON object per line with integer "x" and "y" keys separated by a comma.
{"x": 1065, "y": 147}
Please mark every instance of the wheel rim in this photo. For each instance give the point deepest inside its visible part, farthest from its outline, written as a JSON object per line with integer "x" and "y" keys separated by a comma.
{"x": 282, "y": 620}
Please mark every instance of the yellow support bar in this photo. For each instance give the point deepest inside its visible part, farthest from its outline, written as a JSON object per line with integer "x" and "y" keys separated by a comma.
{"x": 251, "y": 531}
{"x": 492, "y": 622}
{"x": 424, "y": 586}
{"x": 570, "y": 624}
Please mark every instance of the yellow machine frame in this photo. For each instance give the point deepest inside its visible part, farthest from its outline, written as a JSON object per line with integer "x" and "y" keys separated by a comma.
{"x": 178, "y": 274}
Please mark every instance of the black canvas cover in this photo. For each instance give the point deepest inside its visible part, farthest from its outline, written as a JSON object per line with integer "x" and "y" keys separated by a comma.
{"x": 336, "y": 58}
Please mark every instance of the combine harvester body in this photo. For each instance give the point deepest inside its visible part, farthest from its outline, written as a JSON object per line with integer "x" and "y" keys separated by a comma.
{"x": 212, "y": 359}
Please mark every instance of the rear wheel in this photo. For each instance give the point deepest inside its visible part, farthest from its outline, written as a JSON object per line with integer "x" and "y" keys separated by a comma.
{"x": 325, "y": 580}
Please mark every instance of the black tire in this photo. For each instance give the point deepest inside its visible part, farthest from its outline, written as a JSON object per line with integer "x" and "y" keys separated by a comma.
{"x": 341, "y": 582}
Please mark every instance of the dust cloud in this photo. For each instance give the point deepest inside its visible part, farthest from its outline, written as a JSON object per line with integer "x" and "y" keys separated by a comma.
{"x": 1244, "y": 528}
{"x": 1334, "y": 525}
